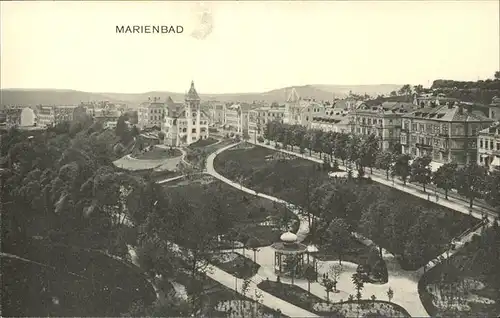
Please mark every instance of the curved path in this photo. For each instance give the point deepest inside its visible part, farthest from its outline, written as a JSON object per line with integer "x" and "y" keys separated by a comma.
{"x": 404, "y": 284}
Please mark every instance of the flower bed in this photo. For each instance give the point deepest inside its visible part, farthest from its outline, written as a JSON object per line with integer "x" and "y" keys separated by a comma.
{"x": 203, "y": 143}
{"x": 363, "y": 308}
{"x": 159, "y": 153}
{"x": 236, "y": 264}
{"x": 458, "y": 288}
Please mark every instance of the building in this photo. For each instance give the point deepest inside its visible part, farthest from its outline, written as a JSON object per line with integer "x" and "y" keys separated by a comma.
{"x": 259, "y": 117}
{"x": 217, "y": 113}
{"x": 488, "y": 147}
{"x": 151, "y": 113}
{"x": 428, "y": 100}
{"x": 446, "y": 133}
{"x": 383, "y": 121}
{"x": 300, "y": 111}
{"x": 48, "y": 115}
{"x": 235, "y": 118}
{"x": 494, "y": 109}
{"x": 28, "y": 117}
{"x": 335, "y": 123}
{"x": 185, "y": 123}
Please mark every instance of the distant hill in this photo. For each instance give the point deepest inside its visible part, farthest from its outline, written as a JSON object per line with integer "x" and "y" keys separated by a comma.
{"x": 31, "y": 97}
{"x": 73, "y": 97}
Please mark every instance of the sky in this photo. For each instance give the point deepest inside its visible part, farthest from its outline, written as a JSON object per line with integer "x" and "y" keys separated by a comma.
{"x": 253, "y": 47}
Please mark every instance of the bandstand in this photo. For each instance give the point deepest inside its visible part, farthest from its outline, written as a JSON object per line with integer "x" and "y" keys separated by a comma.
{"x": 290, "y": 256}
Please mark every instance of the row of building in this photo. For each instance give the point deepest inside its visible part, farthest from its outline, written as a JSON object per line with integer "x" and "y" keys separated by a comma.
{"x": 42, "y": 116}
{"x": 445, "y": 129}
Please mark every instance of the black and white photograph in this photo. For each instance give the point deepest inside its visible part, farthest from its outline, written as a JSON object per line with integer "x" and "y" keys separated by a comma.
{"x": 248, "y": 159}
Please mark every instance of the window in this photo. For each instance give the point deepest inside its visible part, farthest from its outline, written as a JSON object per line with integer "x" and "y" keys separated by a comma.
{"x": 193, "y": 130}
{"x": 480, "y": 143}
{"x": 414, "y": 127}
{"x": 498, "y": 145}
{"x": 491, "y": 145}
{"x": 421, "y": 127}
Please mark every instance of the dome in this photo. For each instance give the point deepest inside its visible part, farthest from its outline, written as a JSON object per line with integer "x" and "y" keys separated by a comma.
{"x": 288, "y": 237}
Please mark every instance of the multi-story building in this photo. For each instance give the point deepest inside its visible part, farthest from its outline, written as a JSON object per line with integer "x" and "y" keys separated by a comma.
{"x": 234, "y": 118}
{"x": 428, "y": 100}
{"x": 446, "y": 133}
{"x": 259, "y": 117}
{"x": 494, "y": 109}
{"x": 383, "y": 121}
{"x": 336, "y": 123}
{"x": 185, "y": 123}
{"x": 299, "y": 111}
{"x": 488, "y": 147}
{"x": 151, "y": 113}
{"x": 48, "y": 115}
{"x": 217, "y": 112}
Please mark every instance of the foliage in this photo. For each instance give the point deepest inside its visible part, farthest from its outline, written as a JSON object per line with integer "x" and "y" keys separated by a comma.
{"x": 471, "y": 181}
{"x": 420, "y": 171}
{"x": 401, "y": 167}
{"x": 444, "y": 177}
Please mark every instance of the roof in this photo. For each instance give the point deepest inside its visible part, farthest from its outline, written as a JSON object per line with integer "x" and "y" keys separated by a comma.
{"x": 449, "y": 114}
{"x": 293, "y": 97}
{"x": 192, "y": 95}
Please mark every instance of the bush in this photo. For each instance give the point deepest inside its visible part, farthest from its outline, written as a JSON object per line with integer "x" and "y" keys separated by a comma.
{"x": 260, "y": 139}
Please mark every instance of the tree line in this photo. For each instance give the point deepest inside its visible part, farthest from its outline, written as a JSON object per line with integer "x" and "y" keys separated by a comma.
{"x": 355, "y": 152}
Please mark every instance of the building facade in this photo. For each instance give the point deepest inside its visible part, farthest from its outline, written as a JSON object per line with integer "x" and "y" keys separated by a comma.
{"x": 488, "y": 147}
{"x": 259, "y": 117}
{"x": 186, "y": 123}
{"x": 217, "y": 112}
{"x": 300, "y": 111}
{"x": 333, "y": 123}
{"x": 383, "y": 121}
{"x": 151, "y": 113}
{"x": 48, "y": 115}
{"x": 234, "y": 118}
{"x": 446, "y": 133}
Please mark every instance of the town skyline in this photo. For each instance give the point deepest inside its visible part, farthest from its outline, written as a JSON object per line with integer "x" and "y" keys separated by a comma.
{"x": 405, "y": 42}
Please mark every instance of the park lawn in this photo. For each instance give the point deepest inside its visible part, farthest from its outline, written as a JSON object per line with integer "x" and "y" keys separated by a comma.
{"x": 202, "y": 143}
{"x": 159, "y": 153}
{"x": 301, "y": 298}
{"x": 287, "y": 176}
{"x": 358, "y": 253}
{"x": 236, "y": 264}
{"x": 268, "y": 171}
{"x": 253, "y": 216}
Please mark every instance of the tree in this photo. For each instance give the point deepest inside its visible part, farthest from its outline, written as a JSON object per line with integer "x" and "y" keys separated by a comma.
{"x": 311, "y": 275}
{"x": 493, "y": 189}
{"x": 337, "y": 237}
{"x": 357, "y": 280}
{"x": 405, "y": 90}
{"x": 374, "y": 222}
{"x": 471, "y": 181}
{"x": 369, "y": 151}
{"x": 497, "y": 75}
{"x": 418, "y": 89}
{"x": 328, "y": 283}
{"x": 335, "y": 271}
{"x": 161, "y": 136}
{"x": 254, "y": 244}
{"x": 401, "y": 167}
{"x": 420, "y": 171}
{"x": 384, "y": 161}
{"x": 444, "y": 177}
{"x": 390, "y": 294}
{"x": 393, "y": 93}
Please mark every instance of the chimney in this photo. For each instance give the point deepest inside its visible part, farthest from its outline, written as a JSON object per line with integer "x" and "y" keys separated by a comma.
{"x": 450, "y": 105}
{"x": 461, "y": 109}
